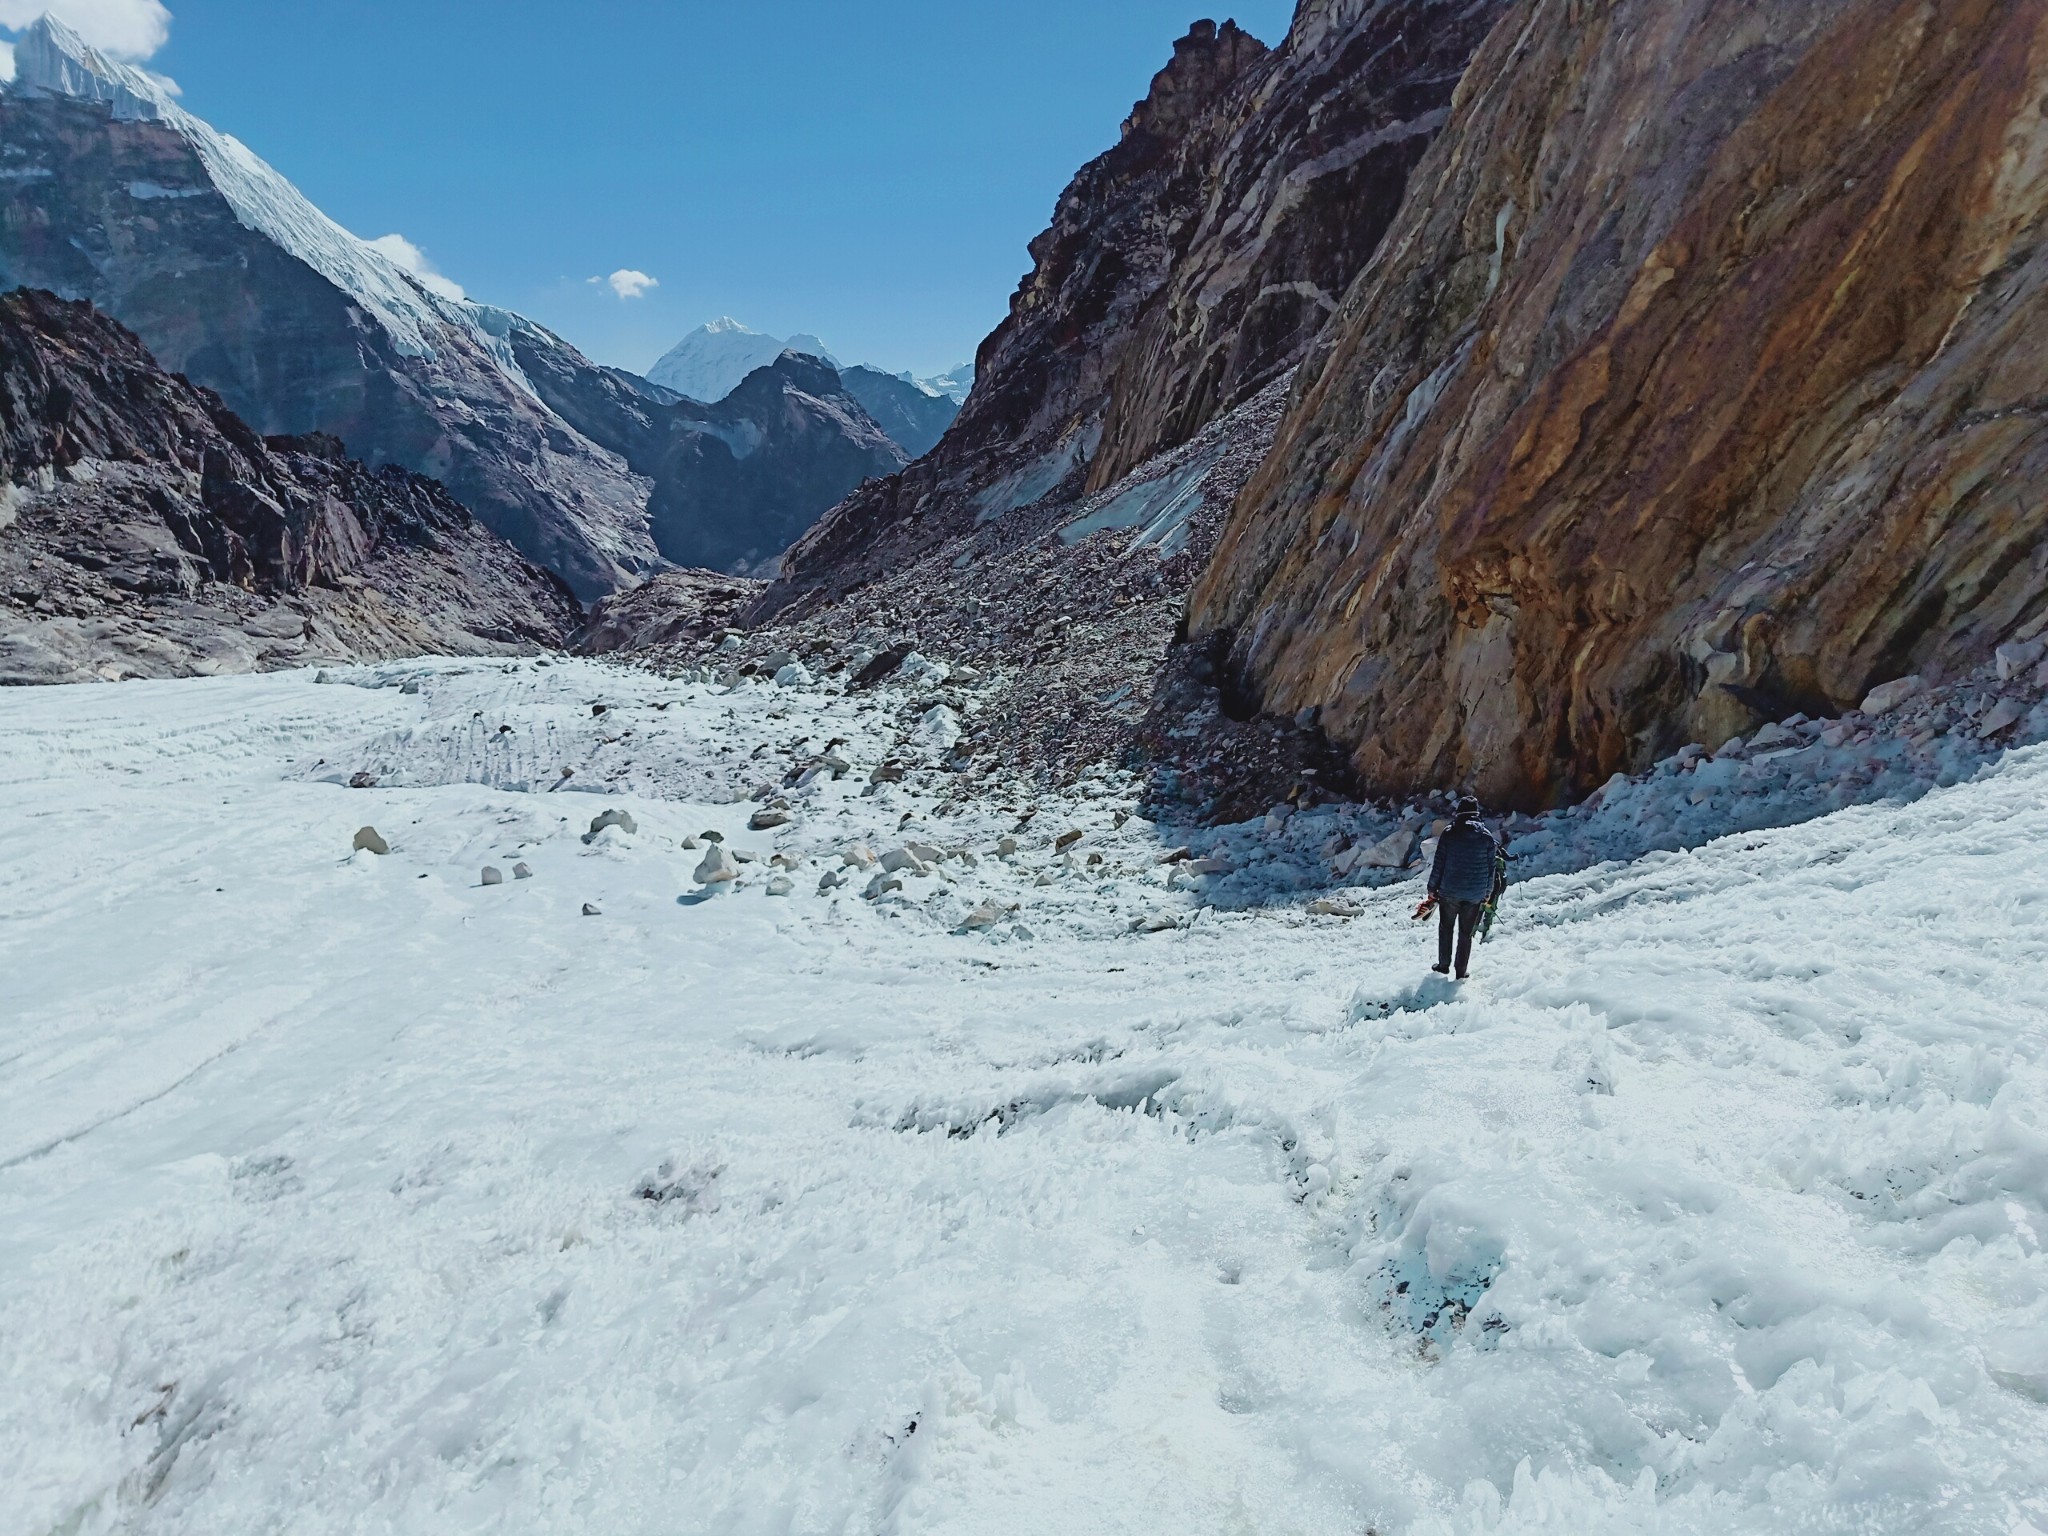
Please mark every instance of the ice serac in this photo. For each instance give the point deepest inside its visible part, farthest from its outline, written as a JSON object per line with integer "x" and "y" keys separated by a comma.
{"x": 145, "y": 530}
{"x": 112, "y": 192}
{"x": 1698, "y": 383}
{"x": 1184, "y": 270}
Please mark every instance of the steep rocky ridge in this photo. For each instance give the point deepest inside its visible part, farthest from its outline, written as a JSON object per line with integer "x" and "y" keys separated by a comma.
{"x": 110, "y": 191}
{"x": 914, "y": 417}
{"x": 733, "y": 482}
{"x": 113, "y": 193}
{"x": 1184, "y": 270}
{"x": 145, "y": 530}
{"x": 1698, "y": 383}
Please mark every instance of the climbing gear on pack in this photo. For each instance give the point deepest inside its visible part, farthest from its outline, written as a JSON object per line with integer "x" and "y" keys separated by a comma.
{"x": 1500, "y": 885}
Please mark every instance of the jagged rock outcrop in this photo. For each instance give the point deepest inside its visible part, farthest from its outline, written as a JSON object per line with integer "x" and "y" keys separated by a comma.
{"x": 1184, "y": 271}
{"x": 145, "y": 530}
{"x": 687, "y": 609}
{"x": 1698, "y": 383}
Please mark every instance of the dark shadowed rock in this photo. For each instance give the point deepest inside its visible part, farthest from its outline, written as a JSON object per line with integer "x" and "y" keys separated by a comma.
{"x": 150, "y": 532}
{"x": 915, "y": 418}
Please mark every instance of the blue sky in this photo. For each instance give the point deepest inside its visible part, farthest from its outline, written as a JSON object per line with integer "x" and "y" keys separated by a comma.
{"x": 870, "y": 172}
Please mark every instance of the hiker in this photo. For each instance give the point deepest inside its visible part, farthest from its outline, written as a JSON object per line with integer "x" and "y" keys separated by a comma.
{"x": 1464, "y": 878}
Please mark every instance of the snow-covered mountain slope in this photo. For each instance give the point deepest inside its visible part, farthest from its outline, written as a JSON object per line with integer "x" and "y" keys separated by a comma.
{"x": 955, "y": 383}
{"x": 708, "y": 364}
{"x": 113, "y": 192}
{"x": 348, "y": 1191}
{"x": 52, "y": 62}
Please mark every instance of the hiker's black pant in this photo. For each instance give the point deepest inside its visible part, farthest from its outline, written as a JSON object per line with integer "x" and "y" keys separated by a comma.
{"x": 1456, "y": 920}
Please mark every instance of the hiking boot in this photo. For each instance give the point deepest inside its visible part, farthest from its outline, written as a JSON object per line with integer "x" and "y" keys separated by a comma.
{"x": 1441, "y": 970}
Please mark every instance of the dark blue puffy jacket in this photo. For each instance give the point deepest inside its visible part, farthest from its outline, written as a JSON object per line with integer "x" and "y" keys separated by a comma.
{"x": 1464, "y": 868}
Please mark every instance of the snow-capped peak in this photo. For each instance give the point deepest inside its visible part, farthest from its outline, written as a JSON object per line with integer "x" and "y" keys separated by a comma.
{"x": 52, "y": 60}
{"x": 709, "y": 363}
{"x": 809, "y": 346}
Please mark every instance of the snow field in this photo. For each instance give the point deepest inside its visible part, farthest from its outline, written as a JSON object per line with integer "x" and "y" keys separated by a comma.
{"x": 345, "y": 1193}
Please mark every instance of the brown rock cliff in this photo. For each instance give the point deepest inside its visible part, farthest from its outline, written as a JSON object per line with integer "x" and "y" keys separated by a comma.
{"x": 1698, "y": 382}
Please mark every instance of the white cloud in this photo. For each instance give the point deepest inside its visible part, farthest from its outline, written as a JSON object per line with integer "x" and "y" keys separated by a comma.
{"x": 414, "y": 260}
{"x": 126, "y": 29}
{"x": 629, "y": 284}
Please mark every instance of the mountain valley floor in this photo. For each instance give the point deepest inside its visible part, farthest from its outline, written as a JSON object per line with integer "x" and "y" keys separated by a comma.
{"x": 343, "y": 1191}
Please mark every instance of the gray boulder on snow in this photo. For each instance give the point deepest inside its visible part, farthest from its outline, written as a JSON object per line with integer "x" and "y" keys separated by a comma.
{"x": 1395, "y": 850}
{"x": 493, "y": 876}
{"x": 717, "y": 866}
{"x": 2014, "y": 659}
{"x": 613, "y": 818}
{"x": 2001, "y": 717}
{"x": 369, "y": 840}
{"x": 1886, "y": 697}
{"x": 983, "y": 917}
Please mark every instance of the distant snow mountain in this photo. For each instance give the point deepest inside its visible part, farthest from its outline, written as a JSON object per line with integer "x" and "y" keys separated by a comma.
{"x": 712, "y": 361}
{"x": 954, "y": 383}
{"x": 913, "y": 414}
{"x": 708, "y": 364}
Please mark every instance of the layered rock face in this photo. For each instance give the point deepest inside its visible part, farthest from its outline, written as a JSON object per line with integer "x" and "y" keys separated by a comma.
{"x": 145, "y": 530}
{"x": 1699, "y": 383}
{"x": 1184, "y": 270}
{"x": 1282, "y": 209}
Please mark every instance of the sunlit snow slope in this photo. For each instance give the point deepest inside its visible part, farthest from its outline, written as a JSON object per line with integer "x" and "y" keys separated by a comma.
{"x": 343, "y": 1193}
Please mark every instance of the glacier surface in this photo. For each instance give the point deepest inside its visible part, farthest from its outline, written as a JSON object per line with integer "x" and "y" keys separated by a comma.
{"x": 342, "y": 1192}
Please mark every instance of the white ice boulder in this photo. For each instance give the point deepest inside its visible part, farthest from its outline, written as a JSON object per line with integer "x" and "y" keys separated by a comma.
{"x": 918, "y": 670}
{"x": 938, "y": 730}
